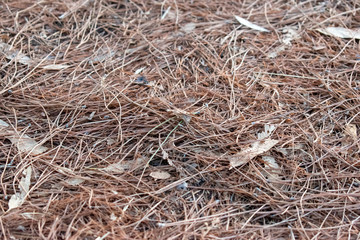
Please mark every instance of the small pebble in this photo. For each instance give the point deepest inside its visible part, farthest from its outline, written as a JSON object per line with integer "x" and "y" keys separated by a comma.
{"x": 183, "y": 186}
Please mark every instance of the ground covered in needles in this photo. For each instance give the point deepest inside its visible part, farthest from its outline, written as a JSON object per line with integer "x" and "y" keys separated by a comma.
{"x": 179, "y": 119}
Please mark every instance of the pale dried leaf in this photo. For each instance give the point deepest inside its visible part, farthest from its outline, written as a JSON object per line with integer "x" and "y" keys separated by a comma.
{"x": 102, "y": 55}
{"x": 74, "y": 181}
{"x": 31, "y": 215}
{"x": 23, "y": 142}
{"x": 155, "y": 85}
{"x": 165, "y": 155}
{"x": 160, "y": 175}
{"x": 18, "y": 198}
{"x": 113, "y": 217}
{"x": 249, "y": 153}
{"x": 13, "y": 54}
{"x": 55, "y": 67}
{"x": 276, "y": 52}
{"x": 251, "y": 25}
{"x": 290, "y": 35}
{"x": 15, "y": 201}
{"x": 270, "y": 163}
{"x": 351, "y": 130}
{"x": 273, "y": 170}
{"x": 119, "y": 167}
{"x": 340, "y": 32}
{"x": 268, "y": 129}
{"x": 110, "y": 141}
{"x": 26, "y": 144}
{"x": 189, "y": 27}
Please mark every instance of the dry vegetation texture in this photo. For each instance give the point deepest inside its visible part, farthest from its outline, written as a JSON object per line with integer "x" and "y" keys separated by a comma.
{"x": 173, "y": 120}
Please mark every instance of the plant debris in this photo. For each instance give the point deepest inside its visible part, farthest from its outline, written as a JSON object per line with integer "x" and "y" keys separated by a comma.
{"x": 121, "y": 119}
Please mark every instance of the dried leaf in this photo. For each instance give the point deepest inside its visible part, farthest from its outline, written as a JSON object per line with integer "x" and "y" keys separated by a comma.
{"x": 110, "y": 141}
{"x": 74, "y": 181}
{"x": 251, "y": 25}
{"x": 340, "y": 32}
{"x": 249, "y": 153}
{"x": 271, "y": 164}
{"x": 273, "y": 170}
{"x": 102, "y": 55}
{"x": 160, "y": 175}
{"x": 165, "y": 155}
{"x": 23, "y": 142}
{"x": 290, "y": 35}
{"x": 189, "y": 27}
{"x": 55, "y": 67}
{"x": 351, "y": 130}
{"x": 18, "y": 198}
{"x": 268, "y": 129}
{"x": 13, "y": 54}
{"x": 26, "y": 144}
{"x": 119, "y": 167}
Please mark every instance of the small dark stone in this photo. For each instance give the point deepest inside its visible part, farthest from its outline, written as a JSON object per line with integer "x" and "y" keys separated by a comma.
{"x": 141, "y": 80}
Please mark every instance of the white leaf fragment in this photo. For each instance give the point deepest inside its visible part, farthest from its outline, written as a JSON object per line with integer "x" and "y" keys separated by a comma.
{"x": 189, "y": 27}
{"x": 340, "y": 32}
{"x": 273, "y": 166}
{"x": 251, "y": 25}
{"x": 119, "y": 167}
{"x": 18, "y": 198}
{"x": 160, "y": 175}
{"x": 138, "y": 71}
{"x": 272, "y": 170}
{"x": 74, "y": 181}
{"x": 101, "y": 55}
{"x": 351, "y": 130}
{"x": 55, "y": 67}
{"x": 23, "y": 142}
{"x": 249, "y": 153}
{"x": 268, "y": 129}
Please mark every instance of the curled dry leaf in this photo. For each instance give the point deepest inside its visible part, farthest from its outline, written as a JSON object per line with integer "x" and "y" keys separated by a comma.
{"x": 18, "y": 198}
{"x": 340, "y": 32}
{"x": 160, "y": 175}
{"x": 249, "y": 153}
{"x": 23, "y": 142}
{"x": 251, "y": 25}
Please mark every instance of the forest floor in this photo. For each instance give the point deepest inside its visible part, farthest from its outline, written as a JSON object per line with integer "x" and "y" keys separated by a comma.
{"x": 179, "y": 119}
